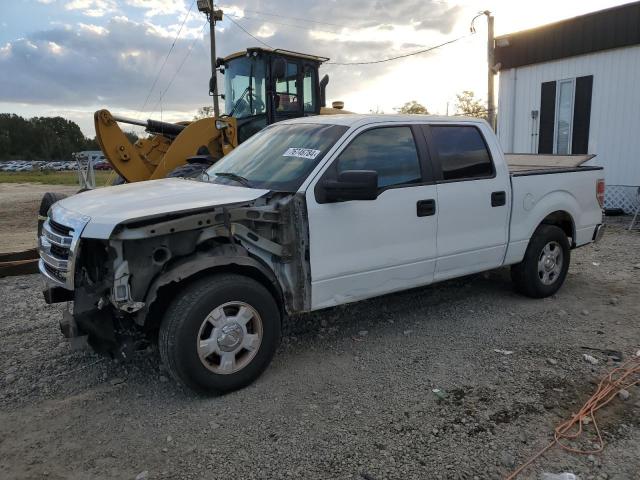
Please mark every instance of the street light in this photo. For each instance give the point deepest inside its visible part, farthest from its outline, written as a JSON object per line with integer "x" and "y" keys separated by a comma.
{"x": 205, "y": 6}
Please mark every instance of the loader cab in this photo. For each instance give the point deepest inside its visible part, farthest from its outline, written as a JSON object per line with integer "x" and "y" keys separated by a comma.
{"x": 264, "y": 86}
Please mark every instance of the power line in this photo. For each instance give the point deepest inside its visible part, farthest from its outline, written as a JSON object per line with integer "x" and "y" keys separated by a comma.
{"x": 248, "y": 33}
{"x": 155, "y": 81}
{"x": 300, "y": 19}
{"x": 308, "y": 20}
{"x": 306, "y": 28}
{"x": 184, "y": 59}
{"x": 401, "y": 56}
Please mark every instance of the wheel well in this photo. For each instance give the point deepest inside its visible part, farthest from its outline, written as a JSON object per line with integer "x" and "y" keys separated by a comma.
{"x": 564, "y": 221}
{"x": 167, "y": 293}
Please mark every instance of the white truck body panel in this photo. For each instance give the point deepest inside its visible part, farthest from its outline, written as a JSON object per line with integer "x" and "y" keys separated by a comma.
{"x": 464, "y": 207}
{"x": 537, "y": 195}
{"x": 108, "y": 207}
{"x": 361, "y": 249}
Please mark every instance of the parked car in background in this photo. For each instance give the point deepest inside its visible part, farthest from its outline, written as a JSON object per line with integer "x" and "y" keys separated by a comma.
{"x": 102, "y": 166}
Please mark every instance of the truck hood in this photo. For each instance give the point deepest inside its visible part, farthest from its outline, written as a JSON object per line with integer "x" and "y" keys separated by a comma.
{"x": 108, "y": 207}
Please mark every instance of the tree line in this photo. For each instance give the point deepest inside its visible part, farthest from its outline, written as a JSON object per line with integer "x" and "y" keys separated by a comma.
{"x": 43, "y": 138}
{"x": 40, "y": 138}
{"x": 466, "y": 104}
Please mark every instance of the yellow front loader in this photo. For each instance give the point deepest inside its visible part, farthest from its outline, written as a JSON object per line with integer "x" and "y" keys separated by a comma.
{"x": 262, "y": 86}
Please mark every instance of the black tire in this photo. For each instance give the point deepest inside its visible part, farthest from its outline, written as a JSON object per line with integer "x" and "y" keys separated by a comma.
{"x": 48, "y": 199}
{"x": 181, "y": 332}
{"x": 190, "y": 170}
{"x": 527, "y": 275}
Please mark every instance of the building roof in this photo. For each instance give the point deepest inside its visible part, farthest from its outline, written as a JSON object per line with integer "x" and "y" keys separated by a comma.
{"x": 602, "y": 30}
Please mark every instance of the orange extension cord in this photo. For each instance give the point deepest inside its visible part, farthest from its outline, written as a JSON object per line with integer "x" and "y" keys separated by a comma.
{"x": 617, "y": 379}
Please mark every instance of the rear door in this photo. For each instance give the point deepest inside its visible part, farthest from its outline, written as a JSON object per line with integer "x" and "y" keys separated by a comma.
{"x": 473, "y": 197}
{"x": 363, "y": 248}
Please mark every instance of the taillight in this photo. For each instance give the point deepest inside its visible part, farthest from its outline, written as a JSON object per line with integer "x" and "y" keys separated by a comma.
{"x": 600, "y": 191}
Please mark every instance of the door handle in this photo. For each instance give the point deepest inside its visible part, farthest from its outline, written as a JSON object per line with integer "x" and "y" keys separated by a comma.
{"x": 426, "y": 208}
{"x": 498, "y": 199}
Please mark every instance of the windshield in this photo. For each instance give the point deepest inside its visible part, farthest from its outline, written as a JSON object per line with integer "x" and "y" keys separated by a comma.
{"x": 278, "y": 158}
{"x": 244, "y": 86}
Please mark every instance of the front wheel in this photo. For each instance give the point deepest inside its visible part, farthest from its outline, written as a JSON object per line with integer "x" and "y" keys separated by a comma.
{"x": 220, "y": 334}
{"x": 546, "y": 262}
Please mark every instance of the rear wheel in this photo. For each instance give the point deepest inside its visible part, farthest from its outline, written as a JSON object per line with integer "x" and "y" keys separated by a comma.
{"x": 546, "y": 262}
{"x": 190, "y": 170}
{"x": 220, "y": 334}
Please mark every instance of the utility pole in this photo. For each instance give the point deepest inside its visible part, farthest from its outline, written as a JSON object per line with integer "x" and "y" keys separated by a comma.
{"x": 213, "y": 15}
{"x": 491, "y": 102}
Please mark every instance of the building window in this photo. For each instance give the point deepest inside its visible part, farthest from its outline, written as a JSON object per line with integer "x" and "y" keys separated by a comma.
{"x": 565, "y": 112}
{"x": 564, "y": 117}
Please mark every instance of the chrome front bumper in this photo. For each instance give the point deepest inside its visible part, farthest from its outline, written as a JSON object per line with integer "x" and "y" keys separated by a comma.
{"x": 59, "y": 246}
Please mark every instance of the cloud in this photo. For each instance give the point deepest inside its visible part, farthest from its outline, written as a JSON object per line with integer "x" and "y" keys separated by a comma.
{"x": 158, "y": 7}
{"x": 93, "y": 8}
{"x": 95, "y": 29}
{"x": 113, "y": 63}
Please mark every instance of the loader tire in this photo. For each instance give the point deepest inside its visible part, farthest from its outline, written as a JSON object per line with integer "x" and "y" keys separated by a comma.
{"x": 220, "y": 333}
{"x": 546, "y": 262}
{"x": 48, "y": 199}
{"x": 190, "y": 170}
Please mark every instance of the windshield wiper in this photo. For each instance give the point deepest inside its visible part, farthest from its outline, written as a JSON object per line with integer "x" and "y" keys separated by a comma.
{"x": 238, "y": 178}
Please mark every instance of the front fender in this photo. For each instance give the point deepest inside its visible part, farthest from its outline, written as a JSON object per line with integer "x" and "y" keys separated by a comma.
{"x": 187, "y": 267}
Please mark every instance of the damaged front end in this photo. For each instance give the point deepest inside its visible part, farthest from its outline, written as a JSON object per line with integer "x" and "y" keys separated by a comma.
{"x": 121, "y": 286}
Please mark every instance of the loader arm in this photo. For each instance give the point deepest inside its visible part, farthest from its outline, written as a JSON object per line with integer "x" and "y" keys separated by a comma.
{"x": 168, "y": 147}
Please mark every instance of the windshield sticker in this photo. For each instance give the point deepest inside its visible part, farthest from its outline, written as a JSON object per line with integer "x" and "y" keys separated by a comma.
{"x": 308, "y": 153}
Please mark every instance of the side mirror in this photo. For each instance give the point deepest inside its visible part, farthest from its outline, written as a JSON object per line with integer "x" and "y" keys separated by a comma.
{"x": 279, "y": 68}
{"x": 351, "y": 185}
{"x": 323, "y": 90}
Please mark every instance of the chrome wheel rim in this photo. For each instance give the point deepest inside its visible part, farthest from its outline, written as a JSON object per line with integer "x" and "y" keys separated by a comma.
{"x": 229, "y": 337}
{"x": 550, "y": 263}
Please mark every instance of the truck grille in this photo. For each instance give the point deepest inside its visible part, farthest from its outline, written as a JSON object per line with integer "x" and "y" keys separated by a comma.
{"x": 59, "y": 245}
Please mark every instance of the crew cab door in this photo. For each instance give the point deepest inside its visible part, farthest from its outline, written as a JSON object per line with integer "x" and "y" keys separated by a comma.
{"x": 364, "y": 248}
{"x": 473, "y": 199}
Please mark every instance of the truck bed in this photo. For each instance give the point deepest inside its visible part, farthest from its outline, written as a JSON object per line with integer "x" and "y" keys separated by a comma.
{"x": 539, "y": 164}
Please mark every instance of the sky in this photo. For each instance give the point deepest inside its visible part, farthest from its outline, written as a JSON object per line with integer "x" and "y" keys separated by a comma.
{"x": 73, "y": 57}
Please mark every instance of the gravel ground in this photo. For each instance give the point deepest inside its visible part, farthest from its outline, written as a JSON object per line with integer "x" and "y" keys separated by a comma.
{"x": 349, "y": 394}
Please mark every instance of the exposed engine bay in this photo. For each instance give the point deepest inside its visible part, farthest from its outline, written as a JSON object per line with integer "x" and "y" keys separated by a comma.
{"x": 122, "y": 285}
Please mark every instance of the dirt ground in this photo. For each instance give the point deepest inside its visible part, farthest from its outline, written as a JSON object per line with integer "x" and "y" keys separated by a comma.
{"x": 19, "y": 203}
{"x": 349, "y": 394}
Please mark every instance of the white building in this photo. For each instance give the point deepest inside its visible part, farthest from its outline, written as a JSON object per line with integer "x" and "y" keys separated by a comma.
{"x": 573, "y": 87}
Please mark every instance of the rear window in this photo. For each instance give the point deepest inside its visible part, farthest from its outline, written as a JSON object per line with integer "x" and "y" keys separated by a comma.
{"x": 462, "y": 152}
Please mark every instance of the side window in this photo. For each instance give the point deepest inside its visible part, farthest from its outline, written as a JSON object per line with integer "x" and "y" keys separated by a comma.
{"x": 462, "y": 152}
{"x": 390, "y": 151}
{"x": 287, "y": 89}
{"x": 309, "y": 87}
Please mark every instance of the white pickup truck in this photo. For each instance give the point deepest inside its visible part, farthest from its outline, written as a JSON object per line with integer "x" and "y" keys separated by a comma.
{"x": 307, "y": 214}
